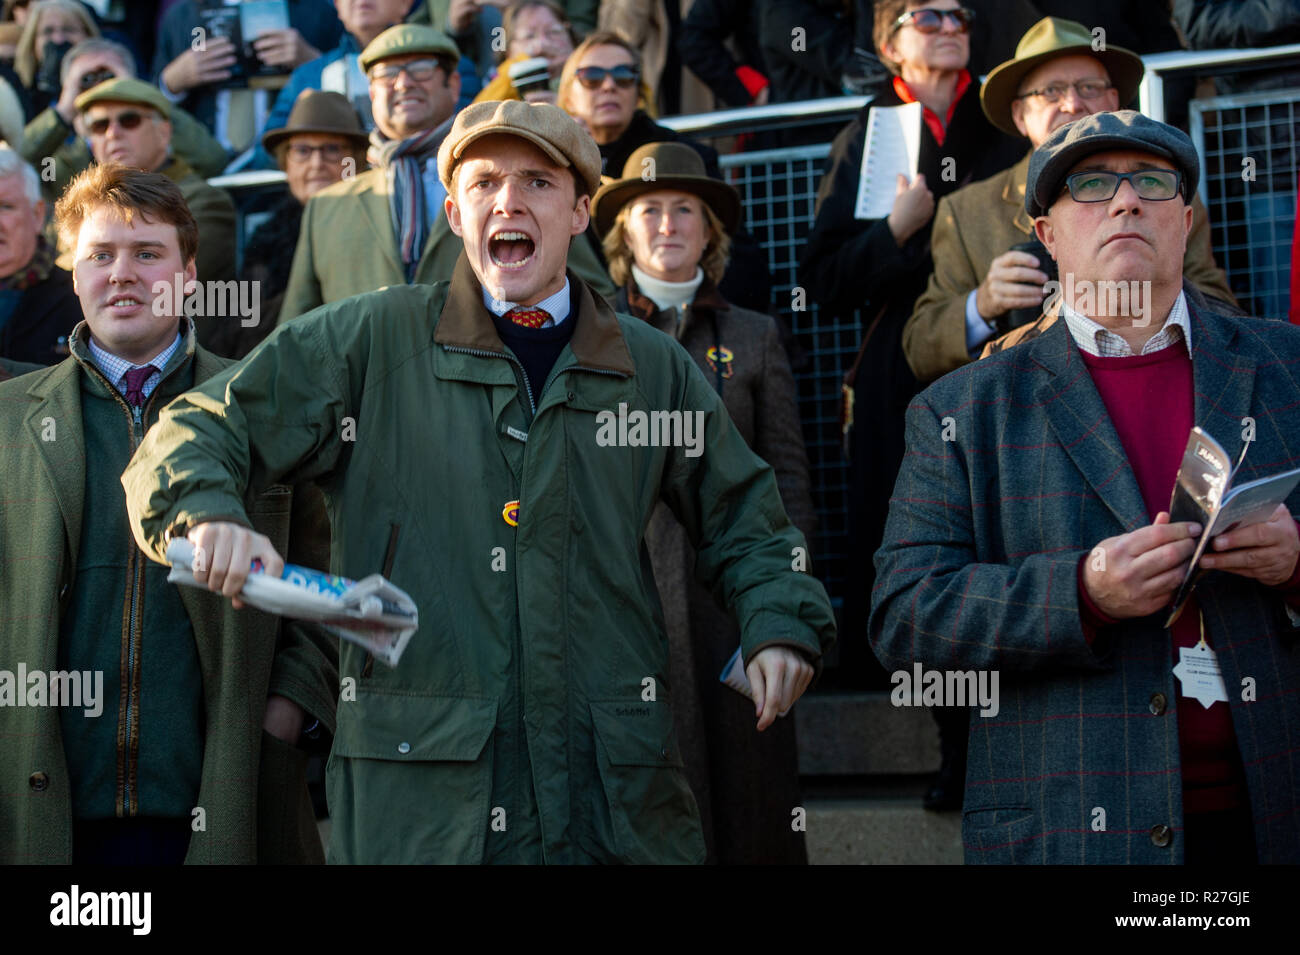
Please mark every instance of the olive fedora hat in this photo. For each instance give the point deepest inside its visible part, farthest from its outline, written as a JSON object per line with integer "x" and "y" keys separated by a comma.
{"x": 1047, "y": 39}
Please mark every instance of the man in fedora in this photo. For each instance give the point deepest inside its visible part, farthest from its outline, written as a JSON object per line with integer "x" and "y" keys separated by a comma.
{"x": 386, "y": 226}
{"x": 483, "y": 443}
{"x": 980, "y": 278}
{"x": 1030, "y": 536}
{"x": 322, "y": 143}
{"x": 128, "y": 121}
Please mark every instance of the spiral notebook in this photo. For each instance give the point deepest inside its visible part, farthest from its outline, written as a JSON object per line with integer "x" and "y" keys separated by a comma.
{"x": 893, "y": 147}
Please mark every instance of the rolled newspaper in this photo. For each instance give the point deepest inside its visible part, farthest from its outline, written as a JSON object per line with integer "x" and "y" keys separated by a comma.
{"x": 370, "y": 612}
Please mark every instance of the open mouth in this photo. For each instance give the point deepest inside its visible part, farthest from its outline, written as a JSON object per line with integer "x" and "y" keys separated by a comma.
{"x": 511, "y": 249}
{"x": 124, "y": 301}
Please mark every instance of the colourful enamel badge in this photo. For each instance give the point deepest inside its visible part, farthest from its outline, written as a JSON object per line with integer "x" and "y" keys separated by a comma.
{"x": 510, "y": 513}
{"x": 711, "y": 356}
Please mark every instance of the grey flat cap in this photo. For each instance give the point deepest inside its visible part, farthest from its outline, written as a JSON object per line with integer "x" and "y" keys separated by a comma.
{"x": 1103, "y": 132}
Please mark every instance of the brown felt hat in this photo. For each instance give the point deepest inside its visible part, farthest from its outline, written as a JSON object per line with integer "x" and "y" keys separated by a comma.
{"x": 125, "y": 89}
{"x": 1047, "y": 39}
{"x": 547, "y": 127}
{"x": 318, "y": 111}
{"x": 664, "y": 166}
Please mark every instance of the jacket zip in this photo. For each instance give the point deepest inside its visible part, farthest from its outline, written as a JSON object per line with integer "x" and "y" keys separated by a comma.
{"x": 130, "y": 740}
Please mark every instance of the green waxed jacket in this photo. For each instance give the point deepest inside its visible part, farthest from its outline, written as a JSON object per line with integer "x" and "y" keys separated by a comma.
{"x": 530, "y": 717}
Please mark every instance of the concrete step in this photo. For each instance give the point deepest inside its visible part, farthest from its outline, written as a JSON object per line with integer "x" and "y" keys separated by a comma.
{"x": 852, "y": 734}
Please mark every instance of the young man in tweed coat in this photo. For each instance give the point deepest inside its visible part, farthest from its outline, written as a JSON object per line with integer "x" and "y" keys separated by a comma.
{"x": 1029, "y": 534}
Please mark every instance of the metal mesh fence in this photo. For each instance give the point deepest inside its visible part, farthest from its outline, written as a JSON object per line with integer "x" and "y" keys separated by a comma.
{"x": 779, "y": 189}
{"x": 1250, "y": 160}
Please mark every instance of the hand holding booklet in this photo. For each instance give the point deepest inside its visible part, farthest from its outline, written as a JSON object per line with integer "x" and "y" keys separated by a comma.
{"x": 1204, "y": 493}
{"x": 371, "y": 612}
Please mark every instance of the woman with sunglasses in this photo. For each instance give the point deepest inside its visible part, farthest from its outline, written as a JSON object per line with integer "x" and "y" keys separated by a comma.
{"x": 879, "y": 267}
{"x": 601, "y": 88}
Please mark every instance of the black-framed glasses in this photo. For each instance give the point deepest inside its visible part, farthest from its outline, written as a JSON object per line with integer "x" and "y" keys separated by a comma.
{"x": 128, "y": 120}
{"x": 332, "y": 153}
{"x": 929, "y": 20}
{"x": 592, "y": 77}
{"x": 1157, "y": 185}
{"x": 1087, "y": 89}
{"x": 421, "y": 71}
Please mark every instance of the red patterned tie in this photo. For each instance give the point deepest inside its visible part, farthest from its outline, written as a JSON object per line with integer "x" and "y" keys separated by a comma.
{"x": 135, "y": 379}
{"x": 528, "y": 317}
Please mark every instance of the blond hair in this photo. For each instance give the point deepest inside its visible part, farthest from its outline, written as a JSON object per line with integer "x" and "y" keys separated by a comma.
{"x": 25, "y": 57}
{"x": 619, "y": 255}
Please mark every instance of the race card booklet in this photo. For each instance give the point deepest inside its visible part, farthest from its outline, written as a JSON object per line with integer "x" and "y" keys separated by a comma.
{"x": 1204, "y": 492}
{"x": 242, "y": 24}
{"x": 371, "y": 612}
{"x": 893, "y": 146}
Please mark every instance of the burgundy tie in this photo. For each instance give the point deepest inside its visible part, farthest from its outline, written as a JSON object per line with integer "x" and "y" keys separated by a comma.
{"x": 528, "y": 317}
{"x": 135, "y": 379}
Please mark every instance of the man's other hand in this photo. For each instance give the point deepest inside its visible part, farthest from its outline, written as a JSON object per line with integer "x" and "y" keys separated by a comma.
{"x": 1266, "y": 551}
{"x": 1136, "y": 574}
{"x": 779, "y": 675}
{"x": 1014, "y": 281}
{"x": 224, "y": 552}
{"x": 283, "y": 719}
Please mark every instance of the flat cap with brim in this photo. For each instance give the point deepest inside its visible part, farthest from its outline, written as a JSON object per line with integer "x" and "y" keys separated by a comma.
{"x": 322, "y": 112}
{"x": 408, "y": 38}
{"x": 664, "y": 166}
{"x": 1047, "y": 39}
{"x": 125, "y": 89}
{"x": 1104, "y": 132}
{"x": 547, "y": 127}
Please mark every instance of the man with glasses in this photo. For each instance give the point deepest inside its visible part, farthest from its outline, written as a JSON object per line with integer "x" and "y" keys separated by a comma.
{"x": 386, "y": 226}
{"x": 983, "y": 285}
{"x": 129, "y": 121}
{"x": 1030, "y": 536}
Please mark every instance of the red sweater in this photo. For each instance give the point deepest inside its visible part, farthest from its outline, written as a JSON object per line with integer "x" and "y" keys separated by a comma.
{"x": 1150, "y": 401}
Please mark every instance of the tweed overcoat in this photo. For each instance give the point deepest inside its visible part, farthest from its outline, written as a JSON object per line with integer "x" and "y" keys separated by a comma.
{"x": 346, "y": 246}
{"x": 253, "y": 786}
{"x": 978, "y": 571}
{"x": 972, "y": 227}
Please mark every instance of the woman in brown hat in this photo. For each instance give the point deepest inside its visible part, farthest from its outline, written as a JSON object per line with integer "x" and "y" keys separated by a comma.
{"x": 666, "y": 227}
{"x": 322, "y": 143}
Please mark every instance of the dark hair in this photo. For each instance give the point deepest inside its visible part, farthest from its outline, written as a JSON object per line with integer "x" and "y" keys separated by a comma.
{"x": 128, "y": 192}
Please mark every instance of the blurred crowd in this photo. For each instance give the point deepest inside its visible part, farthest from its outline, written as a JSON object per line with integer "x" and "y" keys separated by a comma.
{"x": 351, "y": 100}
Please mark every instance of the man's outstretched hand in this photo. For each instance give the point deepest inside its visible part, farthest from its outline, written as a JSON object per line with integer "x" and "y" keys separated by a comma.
{"x": 779, "y": 675}
{"x": 224, "y": 552}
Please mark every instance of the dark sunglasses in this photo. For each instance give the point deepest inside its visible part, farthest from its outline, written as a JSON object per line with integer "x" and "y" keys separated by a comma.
{"x": 1157, "y": 185}
{"x": 931, "y": 21}
{"x": 593, "y": 76}
{"x": 129, "y": 120}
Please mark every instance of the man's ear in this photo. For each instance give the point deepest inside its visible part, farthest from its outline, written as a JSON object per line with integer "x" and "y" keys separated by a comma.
{"x": 581, "y": 215}
{"x": 1018, "y": 116}
{"x": 453, "y": 82}
{"x": 452, "y": 212}
{"x": 191, "y": 274}
{"x": 1046, "y": 234}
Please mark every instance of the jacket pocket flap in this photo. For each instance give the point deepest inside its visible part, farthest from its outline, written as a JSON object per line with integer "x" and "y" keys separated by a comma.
{"x": 634, "y": 733}
{"x": 411, "y": 727}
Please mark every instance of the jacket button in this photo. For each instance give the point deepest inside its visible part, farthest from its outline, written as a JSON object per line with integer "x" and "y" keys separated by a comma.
{"x": 1157, "y": 704}
{"x": 664, "y": 753}
{"x": 39, "y": 782}
{"x": 403, "y": 748}
{"x": 1161, "y": 835}
{"x": 63, "y": 592}
{"x": 572, "y": 396}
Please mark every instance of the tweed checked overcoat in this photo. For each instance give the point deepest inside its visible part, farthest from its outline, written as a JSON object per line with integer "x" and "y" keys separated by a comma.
{"x": 253, "y": 786}
{"x": 978, "y": 571}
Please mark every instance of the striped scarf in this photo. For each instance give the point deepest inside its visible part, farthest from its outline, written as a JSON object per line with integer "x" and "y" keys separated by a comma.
{"x": 403, "y": 164}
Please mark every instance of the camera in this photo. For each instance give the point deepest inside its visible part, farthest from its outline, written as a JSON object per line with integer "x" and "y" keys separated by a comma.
{"x": 1023, "y": 316}
{"x": 95, "y": 77}
{"x": 531, "y": 75}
